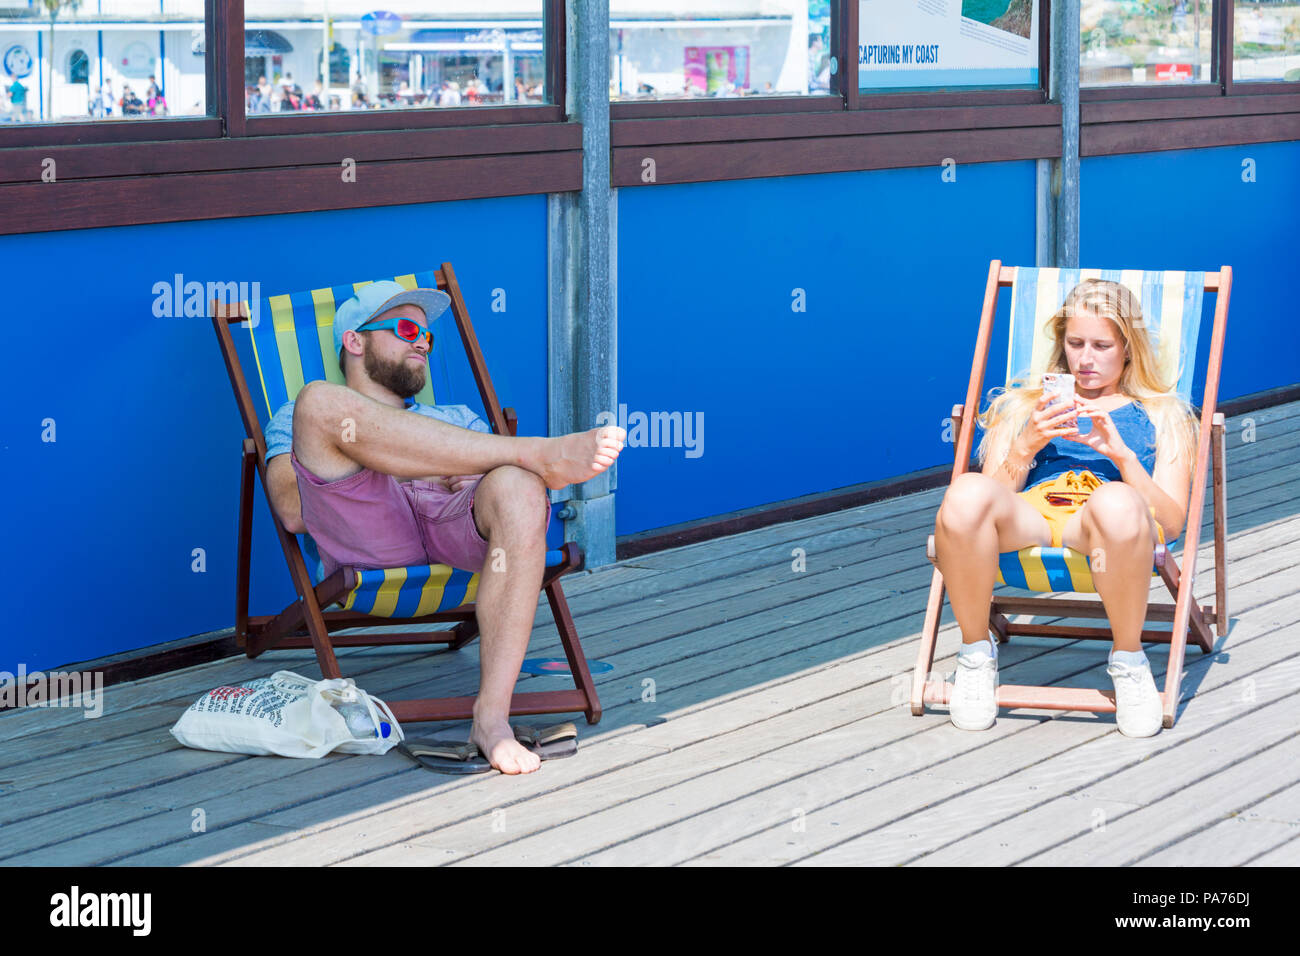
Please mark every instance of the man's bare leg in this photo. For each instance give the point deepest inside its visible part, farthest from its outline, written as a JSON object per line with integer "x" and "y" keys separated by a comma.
{"x": 510, "y": 510}
{"x": 338, "y": 431}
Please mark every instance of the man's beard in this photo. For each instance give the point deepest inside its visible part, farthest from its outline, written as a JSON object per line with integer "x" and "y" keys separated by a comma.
{"x": 399, "y": 378}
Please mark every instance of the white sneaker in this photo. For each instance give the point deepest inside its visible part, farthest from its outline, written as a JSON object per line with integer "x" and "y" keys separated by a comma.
{"x": 974, "y": 703}
{"x": 1138, "y": 711}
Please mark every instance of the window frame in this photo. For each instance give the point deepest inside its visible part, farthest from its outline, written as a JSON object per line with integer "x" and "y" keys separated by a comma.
{"x": 223, "y": 165}
{"x": 694, "y": 141}
{"x": 106, "y": 177}
{"x": 1221, "y": 112}
{"x": 698, "y": 141}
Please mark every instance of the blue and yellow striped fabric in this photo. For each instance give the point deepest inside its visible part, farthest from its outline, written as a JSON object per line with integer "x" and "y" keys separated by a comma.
{"x": 293, "y": 341}
{"x": 414, "y": 591}
{"x": 1048, "y": 569}
{"x": 1171, "y": 309}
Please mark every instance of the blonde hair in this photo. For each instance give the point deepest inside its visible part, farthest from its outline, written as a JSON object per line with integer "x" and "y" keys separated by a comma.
{"x": 1175, "y": 425}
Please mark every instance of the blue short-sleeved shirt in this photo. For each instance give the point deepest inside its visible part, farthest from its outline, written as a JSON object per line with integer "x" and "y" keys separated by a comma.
{"x": 279, "y": 431}
{"x": 1060, "y": 455}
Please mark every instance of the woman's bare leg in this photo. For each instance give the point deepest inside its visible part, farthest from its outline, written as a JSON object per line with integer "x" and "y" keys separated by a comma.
{"x": 978, "y": 520}
{"x": 338, "y": 431}
{"x": 1116, "y": 531}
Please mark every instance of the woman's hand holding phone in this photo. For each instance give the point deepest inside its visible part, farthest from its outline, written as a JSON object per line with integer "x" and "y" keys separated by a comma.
{"x": 1104, "y": 436}
{"x": 1046, "y": 422}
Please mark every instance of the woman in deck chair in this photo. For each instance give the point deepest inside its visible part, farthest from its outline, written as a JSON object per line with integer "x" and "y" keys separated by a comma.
{"x": 1110, "y": 492}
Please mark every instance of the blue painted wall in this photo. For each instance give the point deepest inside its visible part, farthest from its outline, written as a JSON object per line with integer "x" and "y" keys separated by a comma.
{"x": 100, "y": 524}
{"x": 892, "y": 264}
{"x": 856, "y": 388}
{"x": 1192, "y": 209}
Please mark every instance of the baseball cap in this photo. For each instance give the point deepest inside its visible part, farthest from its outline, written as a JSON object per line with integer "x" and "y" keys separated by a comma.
{"x": 379, "y": 297}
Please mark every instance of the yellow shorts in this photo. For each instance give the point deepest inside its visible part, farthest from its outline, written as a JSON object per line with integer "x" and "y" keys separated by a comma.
{"x": 1059, "y": 499}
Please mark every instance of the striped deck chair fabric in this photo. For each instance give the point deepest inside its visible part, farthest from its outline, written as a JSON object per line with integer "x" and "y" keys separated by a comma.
{"x": 1171, "y": 308}
{"x": 292, "y": 340}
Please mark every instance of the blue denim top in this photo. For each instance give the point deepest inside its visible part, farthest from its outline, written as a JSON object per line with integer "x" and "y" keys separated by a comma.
{"x": 1061, "y": 455}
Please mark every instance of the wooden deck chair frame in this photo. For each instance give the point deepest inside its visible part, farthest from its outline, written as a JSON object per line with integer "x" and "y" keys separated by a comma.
{"x": 1184, "y": 612}
{"x": 304, "y": 624}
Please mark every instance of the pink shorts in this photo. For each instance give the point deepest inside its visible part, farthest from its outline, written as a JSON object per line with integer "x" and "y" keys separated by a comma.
{"x": 372, "y": 520}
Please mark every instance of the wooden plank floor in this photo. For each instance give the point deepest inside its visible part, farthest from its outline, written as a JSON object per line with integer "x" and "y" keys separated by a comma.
{"x": 756, "y": 714}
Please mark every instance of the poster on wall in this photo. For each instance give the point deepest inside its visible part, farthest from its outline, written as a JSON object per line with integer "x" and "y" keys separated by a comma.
{"x": 919, "y": 44}
{"x": 716, "y": 69}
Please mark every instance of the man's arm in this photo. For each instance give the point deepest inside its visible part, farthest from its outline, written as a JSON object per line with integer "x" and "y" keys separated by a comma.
{"x": 282, "y": 489}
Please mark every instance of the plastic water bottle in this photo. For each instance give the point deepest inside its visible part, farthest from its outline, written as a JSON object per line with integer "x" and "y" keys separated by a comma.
{"x": 359, "y": 723}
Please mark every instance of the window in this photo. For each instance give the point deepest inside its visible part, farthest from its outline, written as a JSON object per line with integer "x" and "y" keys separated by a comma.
{"x": 688, "y": 49}
{"x": 947, "y": 44}
{"x": 1155, "y": 42}
{"x": 1266, "y": 40}
{"x": 110, "y": 60}
{"x": 414, "y": 54}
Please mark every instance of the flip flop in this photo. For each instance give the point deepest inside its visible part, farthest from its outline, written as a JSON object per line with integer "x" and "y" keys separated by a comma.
{"x": 455, "y": 757}
{"x": 445, "y": 756}
{"x": 549, "y": 743}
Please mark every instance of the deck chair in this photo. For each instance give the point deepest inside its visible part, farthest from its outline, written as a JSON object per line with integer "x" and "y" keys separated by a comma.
{"x": 1171, "y": 307}
{"x": 291, "y": 342}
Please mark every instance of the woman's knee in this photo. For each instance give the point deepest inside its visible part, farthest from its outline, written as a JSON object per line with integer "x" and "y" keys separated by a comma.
{"x": 968, "y": 503}
{"x": 1117, "y": 514}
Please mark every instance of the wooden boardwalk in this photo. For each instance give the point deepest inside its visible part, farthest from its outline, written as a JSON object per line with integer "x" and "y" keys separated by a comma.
{"x": 755, "y": 714}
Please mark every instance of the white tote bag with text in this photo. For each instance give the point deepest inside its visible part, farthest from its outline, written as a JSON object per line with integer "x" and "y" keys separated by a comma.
{"x": 285, "y": 714}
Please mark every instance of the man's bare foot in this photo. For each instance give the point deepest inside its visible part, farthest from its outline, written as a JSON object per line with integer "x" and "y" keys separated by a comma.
{"x": 573, "y": 459}
{"x": 496, "y": 742}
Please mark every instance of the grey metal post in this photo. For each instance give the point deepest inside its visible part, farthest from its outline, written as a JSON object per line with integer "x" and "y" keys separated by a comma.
{"x": 582, "y": 326}
{"x": 1058, "y": 179}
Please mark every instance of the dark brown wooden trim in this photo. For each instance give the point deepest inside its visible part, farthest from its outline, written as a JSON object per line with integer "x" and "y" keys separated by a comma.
{"x": 727, "y": 106}
{"x": 1281, "y": 395}
{"x": 706, "y": 162}
{"x": 399, "y": 119}
{"x": 1091, "y": 94}
{"x": 250, "y": 152}
{"x": 893, "y": 101}
{"x": 134, "y": 200}
{"x": 1221, "y": 59}
{"x": 116, "y": 131}
{"x": 1121, "y": 111}
{"x": 556, "y": 55}
{"x": 150, "y": 661}
{"x": 844, "y": 123}
{"x": 1264, "y": 87}
{"x": 1045, "y": 48}
{"x": 1106, "y": 139}
{"x": 230, "y": 106}
{"x": 847, "y": 24}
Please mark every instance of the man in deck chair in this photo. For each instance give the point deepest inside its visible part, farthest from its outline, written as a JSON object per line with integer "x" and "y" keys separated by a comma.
{"x": 377, "y": 487}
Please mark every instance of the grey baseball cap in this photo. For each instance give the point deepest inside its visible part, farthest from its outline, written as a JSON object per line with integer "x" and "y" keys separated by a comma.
{"x": 378, "y": 297}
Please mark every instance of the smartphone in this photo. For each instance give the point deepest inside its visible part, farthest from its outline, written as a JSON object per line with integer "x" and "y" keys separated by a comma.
{"x": 1059, "y": 387}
